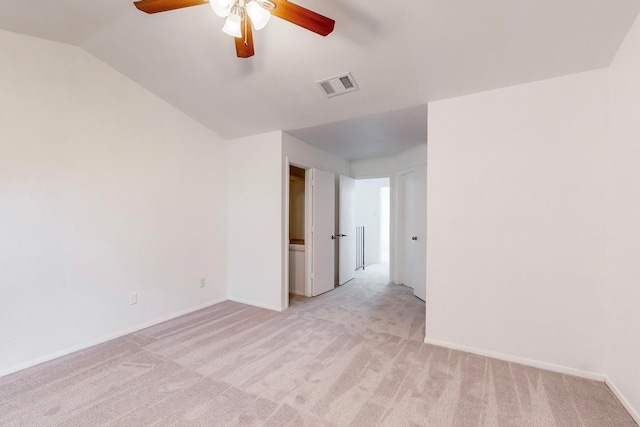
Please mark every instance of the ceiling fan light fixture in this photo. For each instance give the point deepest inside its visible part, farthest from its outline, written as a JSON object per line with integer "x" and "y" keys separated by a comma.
{"x": 259, "y": 16}
{"x": 221, "y": 7}
{"x": 232, "y": 25}
{"x": 241, "y": 12}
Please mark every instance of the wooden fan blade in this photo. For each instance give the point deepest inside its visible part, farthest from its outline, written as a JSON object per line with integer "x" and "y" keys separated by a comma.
{"x": 303, "y": 17}
{"x": 155, "y": 6}
{"x": 244, "y": 45}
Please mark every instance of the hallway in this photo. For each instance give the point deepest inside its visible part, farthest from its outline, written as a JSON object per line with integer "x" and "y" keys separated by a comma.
{"x": 368, "y": 303}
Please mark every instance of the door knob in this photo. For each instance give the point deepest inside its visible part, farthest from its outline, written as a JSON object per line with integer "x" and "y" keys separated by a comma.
{"x": 414, "y": 238}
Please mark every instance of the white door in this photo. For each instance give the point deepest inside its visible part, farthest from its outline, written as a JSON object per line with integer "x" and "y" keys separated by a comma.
{"x": 323, "y": 214}
{"x": 413, "y": 226}
{"x": 347, "y": 230}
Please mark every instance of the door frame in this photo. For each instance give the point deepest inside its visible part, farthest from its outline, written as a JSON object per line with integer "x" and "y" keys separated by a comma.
{"x": 308, "y": 244}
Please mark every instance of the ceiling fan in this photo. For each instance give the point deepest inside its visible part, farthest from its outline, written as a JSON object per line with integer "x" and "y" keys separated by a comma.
{"x": 241, "y": 14}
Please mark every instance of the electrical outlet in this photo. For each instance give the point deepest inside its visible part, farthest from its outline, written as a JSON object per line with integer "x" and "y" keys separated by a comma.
{"x": 203, "y": 283}
{"x": 133, "y": 298}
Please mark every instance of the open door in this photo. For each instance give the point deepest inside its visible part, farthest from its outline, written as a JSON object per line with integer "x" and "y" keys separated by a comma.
{"x": 323, "y": 193}
{"x": 413, "y": 230}
{"x": 347, "y": 230}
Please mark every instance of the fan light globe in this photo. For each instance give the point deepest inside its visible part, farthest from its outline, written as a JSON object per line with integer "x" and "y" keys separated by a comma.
{"x": 259, "y": 16}
{"x": 232, "y": 26}
{"x": 221, "y": 7}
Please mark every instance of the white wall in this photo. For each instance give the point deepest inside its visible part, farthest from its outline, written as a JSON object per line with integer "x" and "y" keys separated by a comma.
{"x": 368, "y": 214}
{"x": 105, "y": 190}
{"x": 515, "y": 221}
{"x": 389, "y": 166}
{"x": 301, "y": 153}
{"x": 255, "y": 220}
{"x": 622, "y": 327}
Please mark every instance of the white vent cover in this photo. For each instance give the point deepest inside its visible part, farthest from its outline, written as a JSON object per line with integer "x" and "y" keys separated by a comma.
{"x": 338, "y": 85}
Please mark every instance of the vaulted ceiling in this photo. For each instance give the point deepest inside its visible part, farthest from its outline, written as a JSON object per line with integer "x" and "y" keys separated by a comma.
{"x": 402, "y": 55}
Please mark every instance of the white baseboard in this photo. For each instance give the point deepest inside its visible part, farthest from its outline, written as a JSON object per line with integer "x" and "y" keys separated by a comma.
{"x": 623, "y": 400}
{"x": 256, "y": 304}
{"x": 66, "y": 351}
{"x": 521, "y": 360}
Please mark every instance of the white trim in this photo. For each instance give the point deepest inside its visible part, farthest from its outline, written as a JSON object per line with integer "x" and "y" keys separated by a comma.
{"x": 285, "y": 287}
{"x": 394, "y": 230}
{"x": 308, "y": 232}
{"x": 255, "y": 304}
{"x": 101, "y": 340}
{"x": 521, "y": 360}
{"x": 408, "y": 171}
{"x": 618, "y": 394}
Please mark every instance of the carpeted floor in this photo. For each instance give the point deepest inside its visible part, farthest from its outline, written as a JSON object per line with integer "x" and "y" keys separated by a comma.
{"x": 353, "y": 356}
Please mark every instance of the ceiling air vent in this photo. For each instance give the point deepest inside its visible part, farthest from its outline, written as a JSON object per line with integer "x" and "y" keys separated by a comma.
{"x": 338, "y": 85}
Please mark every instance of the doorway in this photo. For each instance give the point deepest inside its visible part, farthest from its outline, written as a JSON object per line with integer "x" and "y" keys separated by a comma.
{"x": 390, "y": 210}
{"x": 309, "y": 224}
{"x": 297, "y": 221}
{"x": 373, "y": 219}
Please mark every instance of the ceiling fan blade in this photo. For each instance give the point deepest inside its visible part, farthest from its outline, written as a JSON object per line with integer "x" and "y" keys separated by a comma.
{"x": 303, "y": 17}
{"x": 244, "y": 45}
{"x": 154, "y": 6}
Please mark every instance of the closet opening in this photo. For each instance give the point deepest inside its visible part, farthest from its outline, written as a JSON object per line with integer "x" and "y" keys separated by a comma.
{"x": 297, "y": 221}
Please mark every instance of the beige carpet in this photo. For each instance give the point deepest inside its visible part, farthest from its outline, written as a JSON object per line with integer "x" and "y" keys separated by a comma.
{"x": 353, "y": 356}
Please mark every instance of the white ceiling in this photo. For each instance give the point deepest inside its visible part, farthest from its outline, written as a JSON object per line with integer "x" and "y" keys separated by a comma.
{"x": 402, "y": 55}
{"x": 376, "y": 135}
